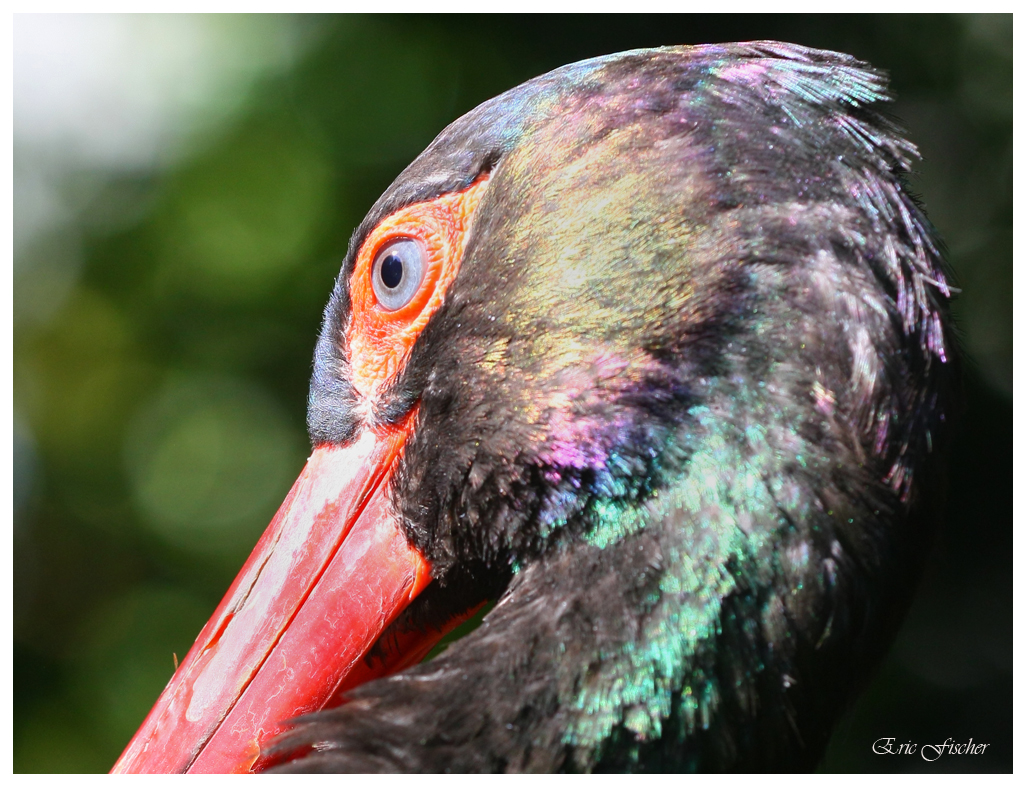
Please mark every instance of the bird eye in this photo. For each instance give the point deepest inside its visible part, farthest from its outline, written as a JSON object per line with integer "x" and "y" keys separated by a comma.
{"x": 397, "y": 273}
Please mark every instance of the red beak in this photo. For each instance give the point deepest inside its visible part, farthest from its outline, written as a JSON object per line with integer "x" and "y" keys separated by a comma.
{"x": 330, "y": 573}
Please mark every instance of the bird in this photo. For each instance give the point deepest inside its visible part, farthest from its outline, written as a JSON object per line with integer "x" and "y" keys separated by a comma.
{"x": 653, "y": 353}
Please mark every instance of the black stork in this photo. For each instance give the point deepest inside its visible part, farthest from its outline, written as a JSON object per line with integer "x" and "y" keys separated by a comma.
{"x": 654, "y": 352}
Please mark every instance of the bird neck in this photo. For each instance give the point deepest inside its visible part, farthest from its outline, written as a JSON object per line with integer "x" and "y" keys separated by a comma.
{"x": 713, "y": 584}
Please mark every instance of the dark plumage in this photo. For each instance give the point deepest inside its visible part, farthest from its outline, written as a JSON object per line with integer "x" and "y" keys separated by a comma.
{"x": 681, "y": 413}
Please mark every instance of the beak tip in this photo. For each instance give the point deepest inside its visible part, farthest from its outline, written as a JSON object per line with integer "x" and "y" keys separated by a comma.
{"x": 328, "y": 577}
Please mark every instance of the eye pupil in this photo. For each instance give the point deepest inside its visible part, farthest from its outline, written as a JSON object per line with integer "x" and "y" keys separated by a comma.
{"x": 391, "y": 271}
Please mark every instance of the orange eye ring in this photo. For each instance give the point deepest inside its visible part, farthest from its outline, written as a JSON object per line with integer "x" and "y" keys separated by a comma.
{"x": 379, "y": 340}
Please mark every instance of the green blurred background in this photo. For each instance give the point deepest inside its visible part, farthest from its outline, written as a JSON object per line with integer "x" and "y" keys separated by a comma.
{"x": 184, "y": 191}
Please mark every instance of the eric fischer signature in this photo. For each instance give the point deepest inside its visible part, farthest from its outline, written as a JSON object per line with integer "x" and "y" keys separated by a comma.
{"x": 930, "y": 751}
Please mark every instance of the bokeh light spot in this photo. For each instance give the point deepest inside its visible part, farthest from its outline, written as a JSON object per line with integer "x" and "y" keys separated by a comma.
{"x": 248, "y": 213}
{"x": 209, "y": 460}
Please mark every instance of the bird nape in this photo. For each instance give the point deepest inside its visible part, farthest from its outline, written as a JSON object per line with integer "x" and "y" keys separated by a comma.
{"x": 654, "y": 352}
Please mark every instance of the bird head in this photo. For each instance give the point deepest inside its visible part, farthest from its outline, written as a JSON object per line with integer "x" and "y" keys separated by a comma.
{"x": 676, "y": 301}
